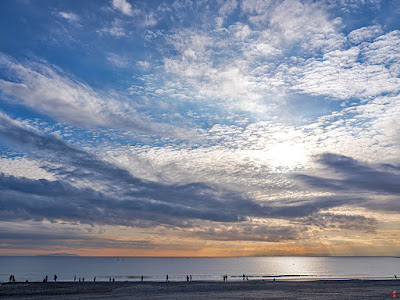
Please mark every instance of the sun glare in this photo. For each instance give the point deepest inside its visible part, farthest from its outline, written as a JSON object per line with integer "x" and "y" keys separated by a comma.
{"x": 286, "y": 157}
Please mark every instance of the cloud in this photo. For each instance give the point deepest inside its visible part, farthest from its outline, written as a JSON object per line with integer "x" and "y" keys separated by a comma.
{"x": 44, "y": 237}
{"x": 46, "y": 89}
{"x": 68, "y": 198}
{"x": 123, "y": 6}
{"x": 251, "y": 232}
{"x": 69, "y": 16}
{"x": 355, "y": 176}
{"x": 330, "y": 221}
{"x": 116, "y": 29}
{"x": 364, "y": 34}
{"x": 117, "y": 60}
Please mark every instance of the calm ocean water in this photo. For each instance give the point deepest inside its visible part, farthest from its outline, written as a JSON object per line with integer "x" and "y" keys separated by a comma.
{"x": 156, "y": 268}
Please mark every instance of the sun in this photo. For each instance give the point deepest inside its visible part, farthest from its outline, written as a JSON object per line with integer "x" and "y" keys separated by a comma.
{"x": 286, "y": 156}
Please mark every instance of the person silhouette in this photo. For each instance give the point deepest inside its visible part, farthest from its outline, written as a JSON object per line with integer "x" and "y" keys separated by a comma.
{"x": 167, "y": 277}
{"x": 94, "y": 279}
{"x": 46, "y": 278}
{"x": 142, "y": 278}
{"x": 55, "y": 278}
{"x": 75, "y": 278}
{"x": 83, "y": 279}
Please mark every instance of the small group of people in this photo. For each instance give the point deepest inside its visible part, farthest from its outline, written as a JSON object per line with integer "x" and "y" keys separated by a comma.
{"x": 189, "y": 278}
{"x": 46, "y": 279}
{"x": 12, "y": 278}
{"x": 83, "y": 279}
{"x": 245, "y": 277}
{"x": 225, "y": 278}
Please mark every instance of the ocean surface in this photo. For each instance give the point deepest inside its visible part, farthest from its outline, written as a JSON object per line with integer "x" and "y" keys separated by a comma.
{"x": 35, "y": 268}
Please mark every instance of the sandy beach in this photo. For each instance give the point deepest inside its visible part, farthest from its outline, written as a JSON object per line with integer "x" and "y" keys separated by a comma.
{"x": 260, "y": 289}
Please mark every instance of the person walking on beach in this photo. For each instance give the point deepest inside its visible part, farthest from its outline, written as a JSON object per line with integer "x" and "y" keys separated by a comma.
{"x": 187, "y": 278}
{"x": 94, "y": 279}
{"x": 167, "y": 277}
{"x": 83, "y": 279}
{"x": 46, "y": 278}
{"x": 244, "y": 277}
{"x": 55, "y": 278}
{"x": 142, "y": 278}
{"x": 11, "y": 278}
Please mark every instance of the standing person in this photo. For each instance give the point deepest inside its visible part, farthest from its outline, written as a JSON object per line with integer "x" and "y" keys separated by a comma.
{"x": 55, "y": 277}
{"x": 167, "y": 277}
{"x": 142, "y": 278}
{"x": 11, "y": 277}
{"x": 94, "y": 279}
{"x": 83, "y": 279}
{"x": 244, "y": 277}
{"x": 187, "y": 278}
{"x": 75, "y": 278}
{"x": 46, "y": 278}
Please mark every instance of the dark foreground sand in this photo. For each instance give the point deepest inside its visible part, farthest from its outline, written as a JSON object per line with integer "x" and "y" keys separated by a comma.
{"x": 324, "y": 289}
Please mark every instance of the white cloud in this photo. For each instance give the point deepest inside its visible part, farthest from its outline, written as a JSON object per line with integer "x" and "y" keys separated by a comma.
{"x": 116, "y": 29}
{"x": 123, "y": 6}
{"x": 228, "y": 7}
{"x": 69, "y": 16}
{"x": 364, "y": 34}
{"x": 45, "y": 89}
{"x": 117, "y": 60}
{"x": 24, "y": 167}
{"x": 369, "y": 69}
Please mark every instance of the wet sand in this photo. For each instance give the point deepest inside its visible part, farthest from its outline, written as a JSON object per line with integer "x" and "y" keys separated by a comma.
{"x": 257, "y": 289}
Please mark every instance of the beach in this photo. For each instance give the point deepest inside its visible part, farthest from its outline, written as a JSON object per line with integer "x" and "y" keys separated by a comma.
{"x": 254, "y": 289}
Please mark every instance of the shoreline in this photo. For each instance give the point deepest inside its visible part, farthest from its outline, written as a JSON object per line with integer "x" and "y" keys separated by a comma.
{"x": 252, "y": 289}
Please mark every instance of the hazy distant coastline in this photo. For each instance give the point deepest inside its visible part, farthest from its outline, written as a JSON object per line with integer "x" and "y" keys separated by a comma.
{"x": 56, "y": 254}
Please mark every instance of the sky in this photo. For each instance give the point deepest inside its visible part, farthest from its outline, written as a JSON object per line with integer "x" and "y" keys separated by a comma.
{"x": 200, "y": 128}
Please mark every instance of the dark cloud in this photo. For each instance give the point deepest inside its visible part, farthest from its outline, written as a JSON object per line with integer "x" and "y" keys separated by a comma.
{"x": 72, "y": 240}
{"x": 256, "y": 233}
{"x": 329, "y": 221}
{"x": 122, "y": 198}
{"x": 356, "y": 176}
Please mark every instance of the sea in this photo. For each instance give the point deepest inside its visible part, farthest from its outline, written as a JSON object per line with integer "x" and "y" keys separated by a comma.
{"x": 70, "y": 268}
